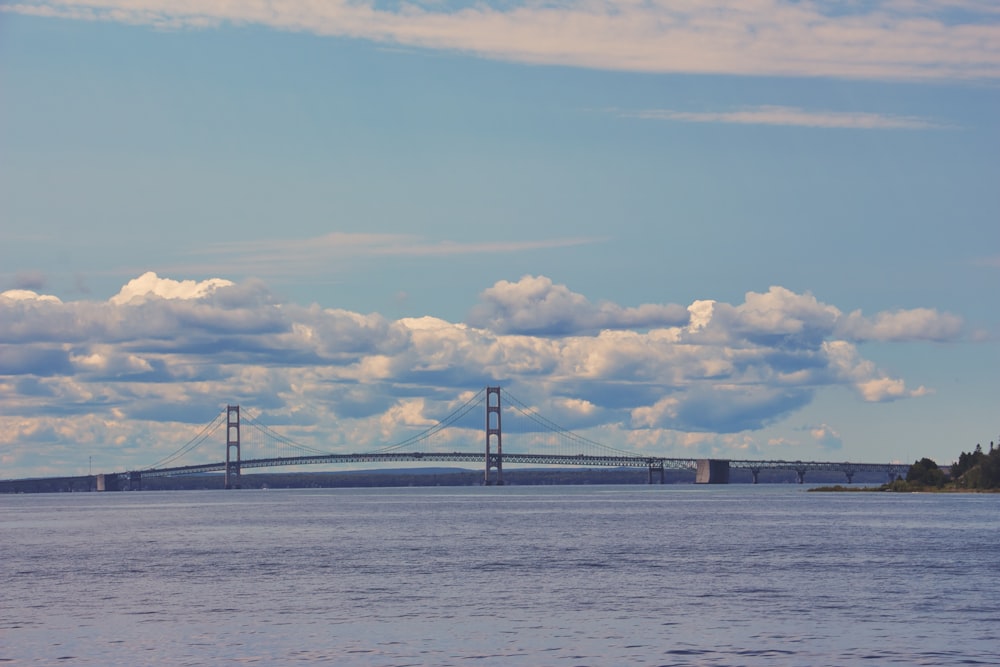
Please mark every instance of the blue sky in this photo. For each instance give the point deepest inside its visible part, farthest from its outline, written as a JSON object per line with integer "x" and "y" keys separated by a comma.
{"x": 746, "y": 230}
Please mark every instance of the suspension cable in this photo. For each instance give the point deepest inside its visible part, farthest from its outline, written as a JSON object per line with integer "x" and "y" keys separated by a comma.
{"x": 271, "y": 433}
{"x": 460, "y": 412}
{"x": 456, "y": 415}
{"x": 552, "y": 426}
{"x": 191, "y": 444}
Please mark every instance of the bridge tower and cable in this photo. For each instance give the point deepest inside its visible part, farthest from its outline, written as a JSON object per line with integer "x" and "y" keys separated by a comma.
{"x": 494, "y": 461}
{"x": 536, "y": 440}
{"x": 233, "y": 447}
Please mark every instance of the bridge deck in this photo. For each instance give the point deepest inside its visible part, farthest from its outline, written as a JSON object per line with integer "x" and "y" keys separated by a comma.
{"x": 621, "y": 461}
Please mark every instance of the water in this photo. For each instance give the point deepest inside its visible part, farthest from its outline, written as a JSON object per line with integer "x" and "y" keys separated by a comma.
{"x": 533, "y": 576}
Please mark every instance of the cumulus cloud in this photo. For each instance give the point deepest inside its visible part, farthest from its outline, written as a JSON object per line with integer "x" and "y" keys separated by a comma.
{"x": 778, "y": 315}
{"x": 883, "y": 39}
{"x": 27, "y": 295}
{"x": 164, "y": 351}
{"x": 149, "y": 285}
{"x": 535, "y": 305}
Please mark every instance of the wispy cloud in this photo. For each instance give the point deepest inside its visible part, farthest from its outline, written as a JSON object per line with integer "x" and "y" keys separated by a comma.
{"x": 293, "y": 256}
{"x": 791, "y": 117}
{"x": 883, "y": 39}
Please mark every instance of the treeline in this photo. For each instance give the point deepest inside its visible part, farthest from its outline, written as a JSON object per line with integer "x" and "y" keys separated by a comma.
{"x": 973, "y": 470}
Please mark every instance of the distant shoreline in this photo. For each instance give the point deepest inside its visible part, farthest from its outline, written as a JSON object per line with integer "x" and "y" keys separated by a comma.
{"x": 887, "y": 488}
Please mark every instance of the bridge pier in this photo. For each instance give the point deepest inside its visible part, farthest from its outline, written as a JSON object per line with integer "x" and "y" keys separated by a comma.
{"x": 755, "y": 472}
{"x": 712, "y": 471}
{"x": 108, "y": 482}
{"x": 801, "y": 474}
{"x": 657, "y": 466}
{"x": 850, "y": 476}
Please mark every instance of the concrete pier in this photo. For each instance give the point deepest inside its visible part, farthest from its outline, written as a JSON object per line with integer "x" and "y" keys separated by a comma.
{"x": 712, "y": 471}
{"x": 108, "y": 482}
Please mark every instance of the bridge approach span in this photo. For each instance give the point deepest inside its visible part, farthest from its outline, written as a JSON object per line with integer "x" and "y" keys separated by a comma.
{"x": 891, "y": 470}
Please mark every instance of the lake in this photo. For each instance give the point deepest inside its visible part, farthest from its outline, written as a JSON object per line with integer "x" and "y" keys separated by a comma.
{"x": 532, "y": 576}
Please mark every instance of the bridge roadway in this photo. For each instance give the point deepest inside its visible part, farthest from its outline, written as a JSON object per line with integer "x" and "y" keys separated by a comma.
{"x": 450, "y": 457}
{"x": 711, "y": 471}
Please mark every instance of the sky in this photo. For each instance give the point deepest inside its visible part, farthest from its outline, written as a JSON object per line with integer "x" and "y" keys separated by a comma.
{"x": 754, "y": 229}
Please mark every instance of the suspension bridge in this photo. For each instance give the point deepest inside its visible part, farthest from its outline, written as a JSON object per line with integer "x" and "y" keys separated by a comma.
{"x": 530, "y": 439}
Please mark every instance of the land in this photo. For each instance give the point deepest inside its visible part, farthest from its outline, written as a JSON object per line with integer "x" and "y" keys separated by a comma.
{"x": 977, "y": 471}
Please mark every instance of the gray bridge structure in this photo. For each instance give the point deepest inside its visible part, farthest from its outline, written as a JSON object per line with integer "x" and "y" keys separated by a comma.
{"x": 707, "y": 471}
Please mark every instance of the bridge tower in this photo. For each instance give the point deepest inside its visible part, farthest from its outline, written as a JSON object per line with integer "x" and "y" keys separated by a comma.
{"x": 493, "y": 429}
{"x": 233, "y": 443}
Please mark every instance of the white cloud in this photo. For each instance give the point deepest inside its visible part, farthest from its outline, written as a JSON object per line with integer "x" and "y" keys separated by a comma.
{"x": 167, "y": 351}
{"x": 535, "y": 305}
{"x": 900, "y": 325}
{"x": 779, "y": 312}
{"x": 791, "y": 117}
{"x": 885, "y": 39}
{"x": 105, "y": 359}
{"x": 870, "y": 383}
{"x": 149, "y": 285}
{"x": 882, "y": 389}
{"x": 27, "y": 295}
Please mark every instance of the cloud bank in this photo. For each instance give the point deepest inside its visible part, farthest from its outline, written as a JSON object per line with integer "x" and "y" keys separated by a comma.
{"x": 137, "y": 372}
{"x": 882, "y": 39}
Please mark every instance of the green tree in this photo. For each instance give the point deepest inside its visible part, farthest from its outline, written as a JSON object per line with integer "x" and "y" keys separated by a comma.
{"x": 989, "y": 471}
{"x": 966, "y": 462}
{"x": 926, "y": 472}
{"x": 977, "y": 469}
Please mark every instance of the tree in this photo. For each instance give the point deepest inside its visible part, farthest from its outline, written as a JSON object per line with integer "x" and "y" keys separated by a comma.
{"x": 925, "y": 472}
{"x": 989, "y": 471}
{"x": 978, "y": 470}
{"x": 966, "y": 462}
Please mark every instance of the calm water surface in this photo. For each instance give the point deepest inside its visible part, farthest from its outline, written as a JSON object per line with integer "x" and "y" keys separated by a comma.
{"x": 675, "y": 575}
